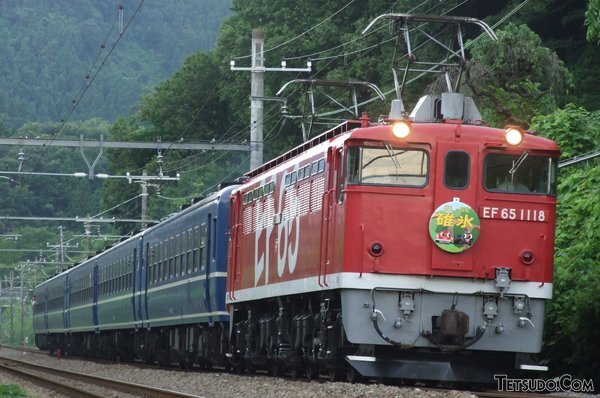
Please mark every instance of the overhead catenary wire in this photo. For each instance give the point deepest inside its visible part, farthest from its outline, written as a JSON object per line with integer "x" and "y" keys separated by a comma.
{"x": 301, "y": 34}
{"x": 271, "y": 114}
{"x": 118, "y": 205}
{"x": 197, "y": 113}
{"x": 359, "y": 38}
{"x": 88, "y": 82}
{"x": 467, "y": 45}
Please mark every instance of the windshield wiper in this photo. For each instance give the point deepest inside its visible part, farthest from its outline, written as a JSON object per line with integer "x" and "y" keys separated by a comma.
{"x": 388, "y": 147}
{"x": 517, "y": 163}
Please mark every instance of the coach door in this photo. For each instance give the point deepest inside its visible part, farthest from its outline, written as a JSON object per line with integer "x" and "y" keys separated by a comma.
{"x": 46, "y": 308}
{"x": 94, "y": 282}
{"x": 233, "y": 271}
{"x": 207, "y": 260}
{"x": 137, "y": 267}
{"x": 146, "y": 271}
{"x": 66, "y": 305}
{"x": 453, "y": 225}
{"x": 330, "y": 198}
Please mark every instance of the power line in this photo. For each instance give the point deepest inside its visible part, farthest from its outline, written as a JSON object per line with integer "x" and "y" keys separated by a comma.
{"x": 362, "y": 37}
{"x": 89, "y": 81}
{"x": 77, "y": 219}
{"x": 303, "y": 33}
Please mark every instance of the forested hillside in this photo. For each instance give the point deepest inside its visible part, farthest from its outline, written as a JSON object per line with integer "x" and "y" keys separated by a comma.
{"x": 48, "y": 47}
{"x": 542, "y": 74}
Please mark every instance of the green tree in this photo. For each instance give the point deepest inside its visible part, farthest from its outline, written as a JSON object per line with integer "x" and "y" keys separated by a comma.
{"x": 592, "y": 20}
{"x": 515, "y": 77}
{"x": 573, "y": 316}
{"x": 52, "y": 50}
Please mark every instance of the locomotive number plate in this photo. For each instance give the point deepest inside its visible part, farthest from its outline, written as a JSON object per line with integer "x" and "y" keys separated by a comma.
{"x": 505, "y": 213}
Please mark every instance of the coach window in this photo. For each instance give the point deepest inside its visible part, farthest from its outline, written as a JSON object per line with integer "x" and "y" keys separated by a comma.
{"x": 214, "y": 238}
{"x": 177, "y": 270}
{"x": 158, "y": 261}
{"x": 387, "y": 166}
{"x": 202, "y": 251}
{"x": 165, "y": 264}
{"x": 171, "y": 257}
{"x": 456, "y": 170}
{"x": 190, "y": 250}
{"x": 196, "y": 245}
{"x": 119, "y": 277}
{"x": 314, "y": 169}
{"x": 183, "y": 253}
{"x": 524, "y": 173}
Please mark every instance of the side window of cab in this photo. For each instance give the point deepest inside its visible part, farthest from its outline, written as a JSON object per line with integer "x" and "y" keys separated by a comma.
{"x": 456, "y": 170}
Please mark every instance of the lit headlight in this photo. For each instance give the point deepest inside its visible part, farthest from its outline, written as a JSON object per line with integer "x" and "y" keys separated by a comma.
{"x": 401, "y": 129}
{"x": 514, "y": 136}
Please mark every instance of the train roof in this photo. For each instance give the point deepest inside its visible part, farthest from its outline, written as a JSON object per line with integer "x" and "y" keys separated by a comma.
{"x": 225, "y": 191}
{"x": 432, "y": 117}
{"x": 327, "y": 135}
{"x": 211, "y": 197}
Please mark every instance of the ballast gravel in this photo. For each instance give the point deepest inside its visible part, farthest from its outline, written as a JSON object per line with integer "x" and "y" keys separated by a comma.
{"x": 217, "y": 384}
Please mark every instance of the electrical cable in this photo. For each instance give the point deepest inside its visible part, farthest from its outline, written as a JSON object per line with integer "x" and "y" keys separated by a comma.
{"x": 362, "y": 37}
{"x": 78, "y": 99}
{"x": 303, "y": 33}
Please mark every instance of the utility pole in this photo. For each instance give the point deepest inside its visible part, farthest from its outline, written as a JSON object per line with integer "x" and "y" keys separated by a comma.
{"x": 21, "y": 299}
{"x": 256, "y": 105}
{"x": 144, "y": 202}
{"x": 144, "y": 182}
{"x": 256, "y": 93}
{"x": 60, "y": 247}
{"x": 12, "y": 312}
{"x": 1, "y": 299}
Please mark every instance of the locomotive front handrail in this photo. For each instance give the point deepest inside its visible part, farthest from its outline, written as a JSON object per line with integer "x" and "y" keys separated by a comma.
{"x": 325, "y": 224}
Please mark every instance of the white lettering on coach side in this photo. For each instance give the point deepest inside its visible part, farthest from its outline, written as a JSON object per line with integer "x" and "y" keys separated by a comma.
{"x": 285, "y": 254}
{"x": 286, "y": 244}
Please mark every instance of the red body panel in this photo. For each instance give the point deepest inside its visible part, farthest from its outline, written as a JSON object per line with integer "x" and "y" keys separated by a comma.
{"x": 316, "y": 227}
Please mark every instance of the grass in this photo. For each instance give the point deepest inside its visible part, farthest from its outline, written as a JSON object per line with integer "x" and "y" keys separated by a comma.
{"x": 12, "y": 391}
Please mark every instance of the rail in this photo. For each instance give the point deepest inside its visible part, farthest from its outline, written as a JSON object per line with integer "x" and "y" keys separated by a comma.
{"x": 23, "y": 369}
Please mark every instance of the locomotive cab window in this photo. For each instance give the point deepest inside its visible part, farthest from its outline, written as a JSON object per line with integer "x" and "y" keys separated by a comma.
{"x": 387, "y": 166}
{"x": 525, "y": 173}
{"x": 456, "y": 170}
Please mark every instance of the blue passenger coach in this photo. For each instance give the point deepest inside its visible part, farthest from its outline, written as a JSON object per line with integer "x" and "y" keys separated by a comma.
{"x": 49, "y": 310}
{"x": 157, "y": 296}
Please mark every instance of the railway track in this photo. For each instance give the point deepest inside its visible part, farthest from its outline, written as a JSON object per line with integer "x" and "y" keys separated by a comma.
{"x": 47, "y": 377}
{"x": 165, "y": 393}
{"x": 509, "y": 394}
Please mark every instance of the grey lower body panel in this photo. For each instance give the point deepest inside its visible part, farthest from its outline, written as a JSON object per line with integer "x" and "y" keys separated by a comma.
{"x": 478, "y": 368}
{"x": 504, "y": 331}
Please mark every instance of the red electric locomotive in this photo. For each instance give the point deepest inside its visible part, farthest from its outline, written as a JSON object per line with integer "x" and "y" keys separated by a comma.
{"x": 414, "y": 248}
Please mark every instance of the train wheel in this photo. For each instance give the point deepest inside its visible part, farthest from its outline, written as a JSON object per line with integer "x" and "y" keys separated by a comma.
{"x": 352, "y": 376}
{"x": 273, "y": 370}
{"x": 297, "y": 373}
{"x": 334, "y": 375}
{"x": 184, "y": 364}
{"x": 312, "y": 372}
